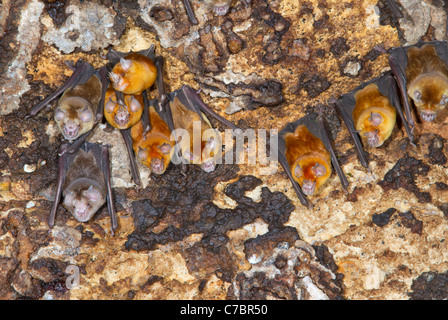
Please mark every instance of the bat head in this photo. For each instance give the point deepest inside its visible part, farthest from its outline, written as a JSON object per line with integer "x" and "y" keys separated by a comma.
{"x": 74, "y": 117}
{"x": 82, "y": 201}
{"x": 133, "y": 74}
{"x": 221, "y": 7}
{"x": 430, "y": 94}
{"x": 156, "y": 156}
{"x": 122, "y": 115}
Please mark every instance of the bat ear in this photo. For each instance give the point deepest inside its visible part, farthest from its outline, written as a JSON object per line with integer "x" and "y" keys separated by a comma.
{"x": 298, "y": 172}
{"x": 59, "y": 115}
{"x": 165, "y": 148}
{"x": 319, "y": 170}
{"x": 444, "y": 100}
{"x": 417, "y": 95}
{"x": 86, "y": 115}
{"x": 142, "y": 154}
{"x": 134, "y": 104}
{"x": 114, "y": 77}
{"x": 125, "y": 64}
{"x": 375, "y": 118}
{"x": 110, "y": 106}
{"x": 92, "y": 194}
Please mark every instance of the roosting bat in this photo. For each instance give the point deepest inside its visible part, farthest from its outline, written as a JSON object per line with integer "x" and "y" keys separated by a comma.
{"x": 421, "y": 72}
{"x": 219, "y": 7}
{"x": 84, "y": 182}
{"x": 122, "y": 114}
{"x": 306, "y": 154}
{"x": 81, "y": 105}
{"x": 369, "y": 112}
{"x": 154, "y": 148}
{"x": 187, "y": 107}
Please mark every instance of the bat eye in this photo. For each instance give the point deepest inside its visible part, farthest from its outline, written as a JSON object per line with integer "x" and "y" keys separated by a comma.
{"x": 165, "y": 148}
{"x": 298, "y": 171}
{"x": 86, "y": 115}
{"x": 59, "y": 115}
{"x": 125, "y": 64}
{"x": 142, "y": 154}
{"x": 319, "y": 170}
{"x": 417, "y": 96}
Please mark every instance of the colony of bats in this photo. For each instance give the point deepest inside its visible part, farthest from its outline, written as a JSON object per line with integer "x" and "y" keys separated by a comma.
{"x": 119, "y": 90}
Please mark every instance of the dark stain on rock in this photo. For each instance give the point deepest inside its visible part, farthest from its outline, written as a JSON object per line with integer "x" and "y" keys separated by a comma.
{"x": 314, "y": 84}
{"x": 403, "y": 175}
{"x": 161, "y": 14}
{"x": 382, "y": 219}
{"x": 56, "y": 10}
{"x": 339, "y": 46}
{"x": 436, "y": 154}
{"x": 409, "y": 221}
{"x": 430, "y": 286}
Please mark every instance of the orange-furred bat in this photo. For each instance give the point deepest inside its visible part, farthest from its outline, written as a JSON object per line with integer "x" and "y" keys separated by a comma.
{"x": 154, "y": 148}
{"x": 187, "y": 110}
{"x": 422, "y": 75}
{"x": 369, "y": 112}
{"x": 122, "y": 114}
{"x": 84, "y": 182}
{"x": 133, "y": 73}
{"x": 80, "y": 105}
{"x": 306, "y": 154}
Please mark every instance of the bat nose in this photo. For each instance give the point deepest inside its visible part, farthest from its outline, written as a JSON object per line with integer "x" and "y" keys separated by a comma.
{"x": 308, "y": 187}
{"x": 428, "y": 115}
{"x": 71, "y": 131}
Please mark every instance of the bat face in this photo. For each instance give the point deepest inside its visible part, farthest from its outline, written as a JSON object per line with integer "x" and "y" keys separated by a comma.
{"x": 427, "y": 81}
{"x": 84, "y": 187}
{"x": 133, "y": 74}
{"x": 154, "y": 150}
{"x": 122, "y": 116}
{"x": 374, "y": 116}
{"x": 309, "y": 160}
{"x": 220, "y": 7}
{"x": 208, "y": 139}
{"x": 74, "y": 117}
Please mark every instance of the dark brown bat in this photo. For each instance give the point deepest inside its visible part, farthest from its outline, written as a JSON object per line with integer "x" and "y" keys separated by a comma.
{"x": 186, "y": 107}
{"x": 306, "y": 154}
{"x": 84, "y": 182}
{"x": 369, "y": 112}
{"x": 80, "y": 106}
{"x": 421, "y": 72}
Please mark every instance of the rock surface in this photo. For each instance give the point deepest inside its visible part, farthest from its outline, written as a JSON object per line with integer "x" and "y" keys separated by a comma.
{"x": 235, "y": 233}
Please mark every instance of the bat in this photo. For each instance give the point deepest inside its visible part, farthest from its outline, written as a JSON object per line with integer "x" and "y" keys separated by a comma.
{"x": 421, "y": 73}
{"x": 153, "y": 149}
{"x": 80, "y": 105}
{"x": 219, "y": 7}
{"x": 369, "y": 112}
{"x": 124, "y": 113}
{"x": 306, "y": 154}
{"x": 84, "y": 182}
{"x": 187, "y": 108}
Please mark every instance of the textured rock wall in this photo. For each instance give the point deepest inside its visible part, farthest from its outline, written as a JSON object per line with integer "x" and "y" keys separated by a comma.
{"x": 234, "y": 233}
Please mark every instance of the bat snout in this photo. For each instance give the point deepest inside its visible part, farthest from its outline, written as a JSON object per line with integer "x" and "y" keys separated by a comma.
{"x": 208, "y": 166}
{"x": 221, "y": 10}
{"x": 71, "y": 131}
{"x": 157, "y": 166}
{"x": 122, "y": 118}
{"x": 309, "y": 187}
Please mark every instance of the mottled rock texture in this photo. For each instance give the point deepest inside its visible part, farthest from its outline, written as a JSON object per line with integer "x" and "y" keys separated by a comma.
{"x": 235, "y": 233}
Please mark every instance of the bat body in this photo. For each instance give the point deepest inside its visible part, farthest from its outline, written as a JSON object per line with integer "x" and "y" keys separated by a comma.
{"x": 422, "y": 75}
{"x": 122, "y": 114}
{"x": 133, "y": 74}
{"x": 188, "y": 110}
{"x": 80, "y": 105}
{"x": 306, "y": 154}
{"x": 84, "y": 182}
{"x": 153, "y": 148}
{"x": 369, "y": 112}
